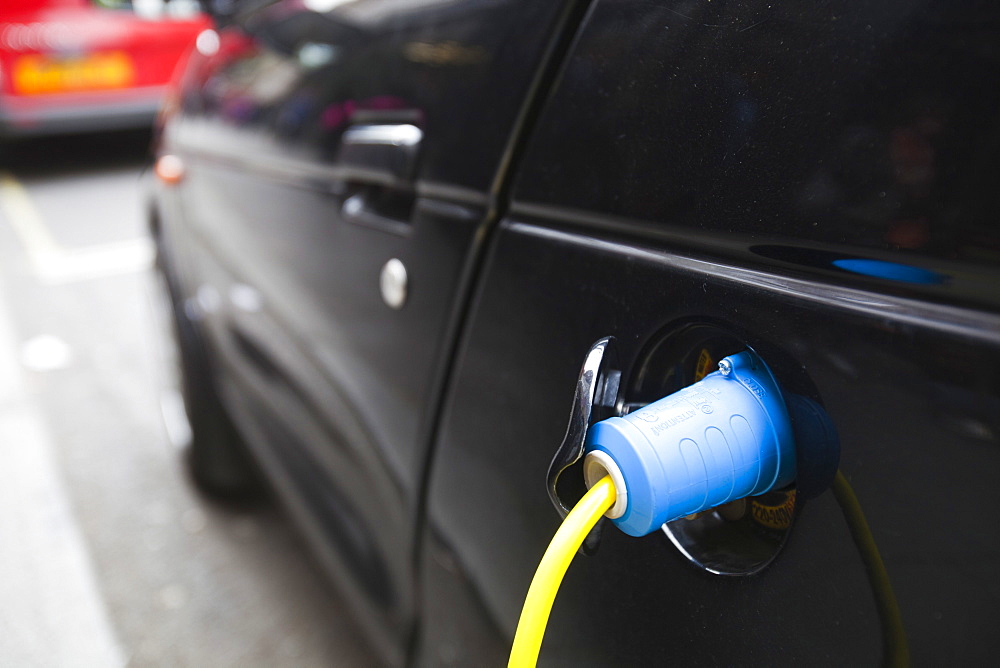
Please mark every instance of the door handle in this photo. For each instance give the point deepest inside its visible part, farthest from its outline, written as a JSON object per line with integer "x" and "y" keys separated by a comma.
{"x": 378, "y": 164}
{"x": 386, "y": 209}
{"x": 380, "y": 153}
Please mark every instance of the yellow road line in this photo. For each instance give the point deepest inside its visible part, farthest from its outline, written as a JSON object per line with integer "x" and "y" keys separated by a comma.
{"x": 53, "y": 264}
{"x": 25, "y": 219}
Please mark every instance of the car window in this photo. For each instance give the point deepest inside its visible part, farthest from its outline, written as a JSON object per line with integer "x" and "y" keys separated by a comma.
{"x": 869, "y": 128}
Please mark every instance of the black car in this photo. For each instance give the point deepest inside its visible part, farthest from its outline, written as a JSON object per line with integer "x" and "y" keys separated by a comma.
{"x": 394, "y": 232}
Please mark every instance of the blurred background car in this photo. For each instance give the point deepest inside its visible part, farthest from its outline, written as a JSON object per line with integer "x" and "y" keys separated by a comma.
{"x": 87, "y": 65}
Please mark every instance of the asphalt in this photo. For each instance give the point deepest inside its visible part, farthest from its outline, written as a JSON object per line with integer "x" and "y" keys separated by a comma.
{"x": 108, "y": 556}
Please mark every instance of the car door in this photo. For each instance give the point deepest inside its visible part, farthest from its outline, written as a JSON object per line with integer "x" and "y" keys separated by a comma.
{"x": 812, "y": 180}
{"x": 340, "y": 158}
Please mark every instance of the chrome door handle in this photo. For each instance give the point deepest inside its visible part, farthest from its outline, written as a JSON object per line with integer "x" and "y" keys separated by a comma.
{"x": 380, "y": 153}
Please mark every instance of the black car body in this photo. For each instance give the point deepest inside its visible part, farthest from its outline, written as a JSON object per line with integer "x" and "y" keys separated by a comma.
{"x": 817, "y": 181}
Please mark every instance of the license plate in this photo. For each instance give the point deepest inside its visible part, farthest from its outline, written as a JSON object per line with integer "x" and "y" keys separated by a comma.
{"x": 42, "y": 74}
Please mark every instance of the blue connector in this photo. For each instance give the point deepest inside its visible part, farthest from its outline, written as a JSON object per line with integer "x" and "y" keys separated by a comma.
{"x": 726, "y": 437}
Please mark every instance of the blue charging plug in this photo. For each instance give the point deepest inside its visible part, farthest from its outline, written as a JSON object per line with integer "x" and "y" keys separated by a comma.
{"x": 726, "y": 437}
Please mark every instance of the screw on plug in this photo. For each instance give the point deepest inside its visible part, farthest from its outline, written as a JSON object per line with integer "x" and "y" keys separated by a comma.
{"x": 725, "y": 367}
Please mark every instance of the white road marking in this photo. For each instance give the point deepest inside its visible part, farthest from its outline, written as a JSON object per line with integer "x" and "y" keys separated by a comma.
{"x": 175, "y": 420}
{"x": 52, "y": 613}
{"x": 46, "y": 352}
{"x": 54, "y": 264}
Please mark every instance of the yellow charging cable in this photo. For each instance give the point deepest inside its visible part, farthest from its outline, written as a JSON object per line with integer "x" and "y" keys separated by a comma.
{"x": 552, "y": 568}
{"x": 601, "y": 497}
{"x": 895, "y": 646}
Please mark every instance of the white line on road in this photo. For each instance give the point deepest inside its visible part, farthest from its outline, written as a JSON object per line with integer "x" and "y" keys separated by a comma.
{"x": 51, "y": 610}
{"x": 55, "y": 265}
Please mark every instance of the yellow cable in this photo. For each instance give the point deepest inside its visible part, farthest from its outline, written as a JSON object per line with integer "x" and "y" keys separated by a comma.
{"x": 552, "y": 568}
{"x": 897, "y": 650}
{"x": 597, "y": 501}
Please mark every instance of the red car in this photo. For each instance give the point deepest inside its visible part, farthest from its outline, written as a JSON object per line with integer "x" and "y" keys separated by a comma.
{"x": 80, "y": 65}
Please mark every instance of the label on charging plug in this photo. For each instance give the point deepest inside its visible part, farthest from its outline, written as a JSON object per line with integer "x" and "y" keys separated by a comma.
{"x": 754, "y": 386}
{"x": 664, "y": 415}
